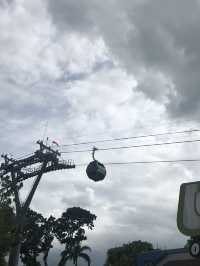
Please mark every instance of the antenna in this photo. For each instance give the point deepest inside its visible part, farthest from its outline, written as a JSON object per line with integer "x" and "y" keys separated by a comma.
{"x": 45, "y": 129}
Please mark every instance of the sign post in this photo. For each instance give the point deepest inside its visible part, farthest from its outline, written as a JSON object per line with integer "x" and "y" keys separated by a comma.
{"x": 188, "y": 217}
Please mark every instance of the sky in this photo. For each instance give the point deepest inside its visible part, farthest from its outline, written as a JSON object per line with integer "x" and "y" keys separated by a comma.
{"x": 91, "y": 70}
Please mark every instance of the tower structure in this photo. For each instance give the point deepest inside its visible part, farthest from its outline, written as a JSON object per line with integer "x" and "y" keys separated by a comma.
{"x": 13, "y": 172}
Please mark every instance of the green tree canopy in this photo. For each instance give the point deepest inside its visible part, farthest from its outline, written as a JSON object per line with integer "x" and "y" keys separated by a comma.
{"x": 125, "y": 255}
{"x": 6, "y": 228}
{"x": 32, "y": 235}
{"x": 39, "y": 233}
{"x": 70, "y": 229}
{"x": 7, "y": 220}
{"x": 38, "y": 237}
{"x": 48, "y": 237}
{"x": 75, "y": 253}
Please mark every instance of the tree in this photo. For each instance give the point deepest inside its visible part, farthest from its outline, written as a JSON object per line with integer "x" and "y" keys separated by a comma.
{"x": 70, "y": 231}
{"x": 38, "y": 237}
{"x": 32, "y": 235}
{"x": 76, "y": 252}
{"x": 48, "y": 237}
{"x": 7, "y": 201}
{"x": 125, "y": 255}
{"x": 7, "y": 221}
{"x": 6, "y": 228}
{"x": 38, "y": 232}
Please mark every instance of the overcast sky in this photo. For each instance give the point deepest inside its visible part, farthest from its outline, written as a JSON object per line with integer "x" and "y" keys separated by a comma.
{"x": 88, "y": 70}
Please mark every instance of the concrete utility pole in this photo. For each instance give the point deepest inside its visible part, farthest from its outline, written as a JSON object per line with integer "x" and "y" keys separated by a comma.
{"x": 44, "y": 160}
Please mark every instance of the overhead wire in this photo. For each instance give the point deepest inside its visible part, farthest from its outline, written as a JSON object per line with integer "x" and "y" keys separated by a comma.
{"x": 132, "y": 137}
{"x": 135, "y": 146}
{"x": 129, "y": 146}
{"x": 146, "y": 162}
{"x": 145, "y": 126}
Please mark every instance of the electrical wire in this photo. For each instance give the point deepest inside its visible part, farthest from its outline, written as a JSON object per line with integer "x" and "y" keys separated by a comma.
{"x": 146, "y": 126}
{"x": 145, "y": 162}
{"x": 135, "y": 146}
{"x": 132, "y": 137}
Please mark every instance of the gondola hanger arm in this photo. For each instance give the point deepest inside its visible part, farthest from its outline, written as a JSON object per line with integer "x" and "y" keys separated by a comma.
{"x": 93, "y": 152}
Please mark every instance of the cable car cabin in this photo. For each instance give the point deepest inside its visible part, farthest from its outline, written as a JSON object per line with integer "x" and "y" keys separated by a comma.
{"x": 96, "y": 171}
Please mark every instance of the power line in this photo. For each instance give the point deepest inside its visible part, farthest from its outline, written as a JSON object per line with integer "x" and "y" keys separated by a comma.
{"x": 146, "y": 162}
{"x": 145, "y": 126}
{"x": 136, "y": 146}
{"x": 133, "y": 137}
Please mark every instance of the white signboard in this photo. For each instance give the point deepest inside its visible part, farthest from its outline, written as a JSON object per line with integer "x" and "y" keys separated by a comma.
{"x": 188, "y": 218}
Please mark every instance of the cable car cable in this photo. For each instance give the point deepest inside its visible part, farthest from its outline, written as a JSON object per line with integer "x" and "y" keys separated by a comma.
{"x": 148, "y": 126}
{"x": 135, "y": 146}
{"x": 132, "y": 137}
{"x": 145, "y": 162}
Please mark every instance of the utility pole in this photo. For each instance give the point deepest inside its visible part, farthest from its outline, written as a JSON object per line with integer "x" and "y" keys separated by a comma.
{"x": 14, "y": 172}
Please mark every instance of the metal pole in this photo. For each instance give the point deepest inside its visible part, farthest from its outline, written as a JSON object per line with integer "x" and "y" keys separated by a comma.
{"x": 20, "y": 220}
{"x": 15, "y": 250}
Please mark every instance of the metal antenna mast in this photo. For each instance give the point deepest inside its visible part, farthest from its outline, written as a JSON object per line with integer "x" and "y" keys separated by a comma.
{"x": 14, "y": 172}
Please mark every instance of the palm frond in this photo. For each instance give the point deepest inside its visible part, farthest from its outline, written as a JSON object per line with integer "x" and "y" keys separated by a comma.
{"x": 85, "y": 257}
{"x": 66, "y": 259}
{"x": 84, "y": 248}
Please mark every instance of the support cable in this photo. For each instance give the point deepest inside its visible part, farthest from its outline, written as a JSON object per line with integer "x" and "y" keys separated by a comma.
{"x": 136, "y": 146}
{"x": 145, "y": 162}
{"x": 132, "y": 137}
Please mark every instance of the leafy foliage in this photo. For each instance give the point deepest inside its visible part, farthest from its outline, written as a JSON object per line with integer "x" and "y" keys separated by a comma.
{"x": 75, "y": 252}
{"x": 7, "y": 220}
{"x": 6, "y": 195}
{"x": 6, "y": 228}
{"x": 39, "y": 232}
{"x": 48, "y": 237}
{"x": 38, "y": 237}
{"x": 70, "y": 230}
{"x": 125, "y": 255}
{"x": 32, "y": 234}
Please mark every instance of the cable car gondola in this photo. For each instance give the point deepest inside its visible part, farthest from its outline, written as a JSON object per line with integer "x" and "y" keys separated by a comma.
{"x": 96, "y": 170}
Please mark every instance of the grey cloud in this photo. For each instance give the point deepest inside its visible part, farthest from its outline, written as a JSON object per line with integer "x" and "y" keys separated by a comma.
{"x": 70, "y": 79}
{"x": 155, "y": 86}
{"x": 82, "y": 199}
{"x": 72, "y": 15}
{"x": 152, "y": 35}
{"x": 6, "y": 3}
{"x": 98, "y": 66}
{"x": 166, "y": 40}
